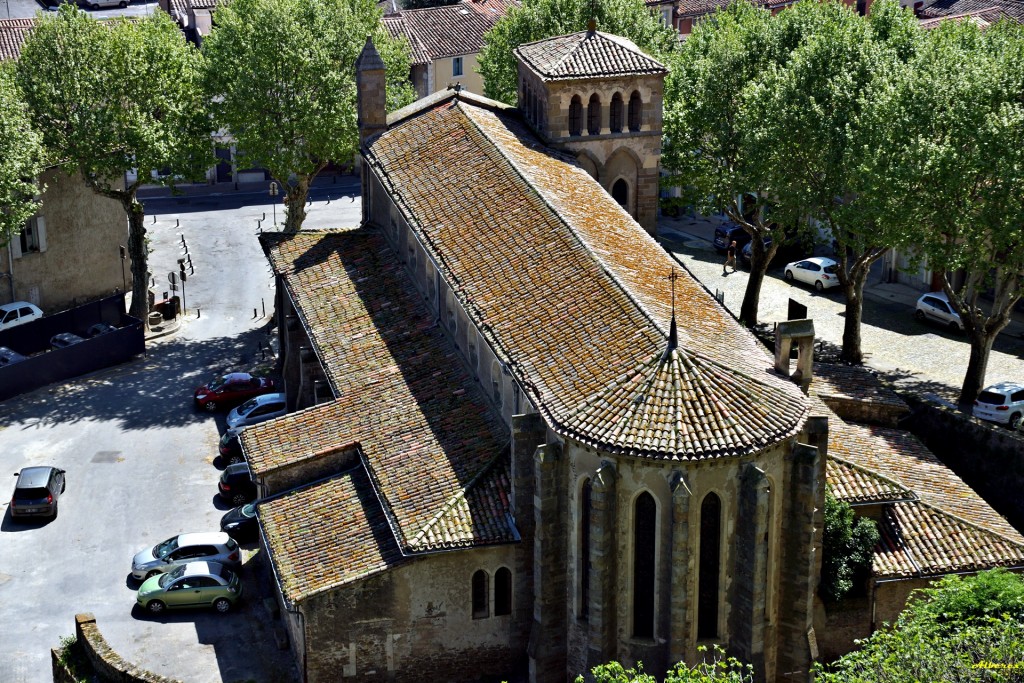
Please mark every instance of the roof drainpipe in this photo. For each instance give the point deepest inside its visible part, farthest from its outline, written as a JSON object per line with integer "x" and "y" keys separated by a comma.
{"x": 10, "y": 267}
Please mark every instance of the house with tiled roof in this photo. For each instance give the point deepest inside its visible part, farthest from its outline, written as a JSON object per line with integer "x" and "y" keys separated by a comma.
{"x": 522, "y": 442}
{"x": 982, "y": 12}
{"x": 68, "y": 252}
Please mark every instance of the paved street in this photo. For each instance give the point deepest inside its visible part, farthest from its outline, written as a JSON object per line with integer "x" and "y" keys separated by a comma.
{"x": 140, "y": 463}
{"x": 25, "y": 9}
{"x": 918, "y": 357}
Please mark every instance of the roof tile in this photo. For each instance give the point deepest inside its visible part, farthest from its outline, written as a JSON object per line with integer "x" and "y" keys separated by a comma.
{"x": 587, "y": 54}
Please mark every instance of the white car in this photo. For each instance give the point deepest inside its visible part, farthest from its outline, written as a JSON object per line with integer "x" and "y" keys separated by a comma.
{"x": 818, "y": 271}
{"x": 1002, "y": 403}
{"x": 936, "y": 307}
{"x": 255, "y": 410}
{"x": 18, "y": 313}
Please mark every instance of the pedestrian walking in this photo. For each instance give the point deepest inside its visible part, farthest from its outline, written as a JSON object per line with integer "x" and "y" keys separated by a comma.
{"x": 730, "y": 258}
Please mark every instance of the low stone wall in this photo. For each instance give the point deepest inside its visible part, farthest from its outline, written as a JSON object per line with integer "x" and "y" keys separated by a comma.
{"x": 108, "y": 665}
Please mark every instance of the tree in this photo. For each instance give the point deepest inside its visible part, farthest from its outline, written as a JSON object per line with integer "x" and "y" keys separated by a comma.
{"x": 539, "y": 19}
{"x": 813, "y": 115}
{"x": 281, "y": 74}
{"x": 716, "y": 669}
{"x": 21, "y": 154}
{"x": 115, "y": 96}
{"x": 957, "y": 162}
{"x": 847, "y": 546}
{"x": 960, "y": 629}
{"x": 707, "y": 150}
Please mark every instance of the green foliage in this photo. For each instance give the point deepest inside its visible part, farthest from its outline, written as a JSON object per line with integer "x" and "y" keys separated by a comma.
{"x": 539, "y": 19}
{"x": 847, "y": 545}
{"x": 21, "y": 154}
{"x": 282, "y": 77}
{"x": 960, "y": 629}
{"x": 717, "y": 669}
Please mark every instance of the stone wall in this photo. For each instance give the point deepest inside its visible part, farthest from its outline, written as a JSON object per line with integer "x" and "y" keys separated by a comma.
{"x": 844, "y": 622}
{"x": 109, "y": 666}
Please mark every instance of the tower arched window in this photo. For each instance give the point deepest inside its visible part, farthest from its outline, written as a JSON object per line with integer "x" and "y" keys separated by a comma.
{"x": 635, "y": 111}
{"x": 620, "y": 193}
{"x": 710, "y": 562}
{"x": 576, "y": 116}
{"x": 480, "y": 603}
{"x": 615, "y": 114}
{"x": 645, "y": 512}
{"x": 594, "y": 115}
{"x": 502, "y": 592}
{"x": 583, "y": 559}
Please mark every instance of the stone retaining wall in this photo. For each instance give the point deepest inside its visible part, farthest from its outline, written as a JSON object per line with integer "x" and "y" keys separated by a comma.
{"x": 108, "y": 665}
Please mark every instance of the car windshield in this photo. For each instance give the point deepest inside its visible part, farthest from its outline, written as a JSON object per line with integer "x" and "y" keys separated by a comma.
{"x": 249, "y": 510}
{"x": 831, "y": 270}
{"x": 171, "y": 576}
{"x": 161, "y": 550}
{"x": 217, "y": 383}
{"x": 247, "y": 406}
{"x": 992, "y": 398}
{"x": 225, "y": 573}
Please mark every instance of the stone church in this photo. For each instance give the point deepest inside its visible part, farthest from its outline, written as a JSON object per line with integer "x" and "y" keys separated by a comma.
{"x": 524, "y": 442}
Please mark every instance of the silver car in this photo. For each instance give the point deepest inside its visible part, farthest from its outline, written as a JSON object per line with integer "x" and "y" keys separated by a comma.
{"x": 185, "y": 548}
{"x": 935, "y": 306}
{"x": 255, "y": 410}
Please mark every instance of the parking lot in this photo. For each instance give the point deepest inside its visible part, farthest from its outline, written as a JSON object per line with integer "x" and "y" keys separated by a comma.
{"x": 140, "y": 466}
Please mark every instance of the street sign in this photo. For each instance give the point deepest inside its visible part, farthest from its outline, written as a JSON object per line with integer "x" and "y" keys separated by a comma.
{"x": 172, "y": 277}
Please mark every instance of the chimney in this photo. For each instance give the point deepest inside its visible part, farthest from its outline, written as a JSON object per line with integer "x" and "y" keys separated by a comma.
{"x": 371, "y": 93}
{"x": 801, "y": 333}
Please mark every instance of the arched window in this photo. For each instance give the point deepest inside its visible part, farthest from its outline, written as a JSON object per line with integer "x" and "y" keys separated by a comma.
{"x": 583, "y": 559}
{"x": 620, "y": 193}
{"x": 615, "y": 114}
{"x": 710, "y": 559}
{"x": 502, "y": 592}
{"x": 645, "y": 513}
{"x": 635, "y": 111}
{"x": 480, "y": 594}
{"x": 576, "y": 116}
{"x": 496, "y": 383}
{"x": 594, "y": 115}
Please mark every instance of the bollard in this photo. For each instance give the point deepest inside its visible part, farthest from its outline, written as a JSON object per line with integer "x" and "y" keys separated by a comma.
{"x": 264, "y": 216}
{"x": 199, "y": 313}
{"x": 177, "y": 223}
{"x": 328, "y": 200}
{"x": 154, "y": 219}
{"x": 182, "y": 238}
{"x": 264, "y": 305}
{"x": 254, "y": 314}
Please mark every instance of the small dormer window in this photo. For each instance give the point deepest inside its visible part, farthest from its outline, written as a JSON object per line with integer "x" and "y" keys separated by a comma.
{"x": 456, "y": 66}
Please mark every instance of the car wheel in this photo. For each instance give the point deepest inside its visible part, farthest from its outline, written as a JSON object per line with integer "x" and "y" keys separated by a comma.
{"x": 210, "y": 406}
{"x": 94, "y": 6}
{"x": 151, "y": 574}
{"x": 789, "y": 275}
{"x": 55, "y": 507}
{"x": 155, "y": 606}
{"x": 239, "y": 499}
{"x": 63, "y": 485}
{"x": 919, "y": 314}
{"x": 954, "y": 326}
{"x": 1015, "y": 421}
{"x": 122, "y": 4}
{"x": 235, "y": 459}
{"x": 222, "y": 605}
{"x": 818, "y": 286}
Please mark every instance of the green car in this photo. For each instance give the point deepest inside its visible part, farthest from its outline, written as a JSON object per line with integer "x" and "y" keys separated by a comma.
{"x": 196, "y": 584}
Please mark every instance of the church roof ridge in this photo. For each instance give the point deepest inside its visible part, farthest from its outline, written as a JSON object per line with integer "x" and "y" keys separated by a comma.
{"x": 587, "y": 54}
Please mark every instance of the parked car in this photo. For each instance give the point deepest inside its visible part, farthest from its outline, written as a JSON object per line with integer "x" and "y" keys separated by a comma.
{"x": 818, "y": 271}
{"x": 98, "y": 329}
{"x": 935, "y": 306}
{"x": 726, "y": 233}
{"x": 240, "y": 523}
{"x": 1002, "y": 403}
{"x": 230, "y": 449}
{"x": 37, "y": 492}
{"x": 196, "y": 584}
{"x": 184, "y": 548}
{"x": 97, "y": 4}
{"x": 8, "y": 356}
{"x": 746, "y": 253}
{"x": 236, "y": 485}
{"x": 18, "y": 313}
{"x": 62, "y": 340}
{"x": 229, "y": 390}
{"x": 256, "y": 410}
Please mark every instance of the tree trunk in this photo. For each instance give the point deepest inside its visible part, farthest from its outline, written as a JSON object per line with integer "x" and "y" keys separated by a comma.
{"x": 140, "y": 259}
{"x": 759, "y": 260}
{"x": 852, "y": 352}
{"x": 981, "y": 346}
{"x": 295, "y": 205}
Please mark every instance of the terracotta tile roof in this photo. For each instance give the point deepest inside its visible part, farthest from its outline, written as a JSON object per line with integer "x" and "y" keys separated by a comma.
{"x": 855, "y": 383}
{"x": 496, "y": 9}
{"x": 982, "y": 17}
{"x": 1014, "y": 9}
{"x": 587, "y": 54}
{"x": 918, "y": 539}
{"x": 13, "y": 33}
{"x": 697, "y": 8}
{"x": 449, "y": 30}
{"x": 853, "y": 484}
{"x": 571, "y": 293}
{"x": 181, "y": 7}
{"x": 306, "y": 530}
{"x": 398, "y": 28}
{"x": 434, "y": 449}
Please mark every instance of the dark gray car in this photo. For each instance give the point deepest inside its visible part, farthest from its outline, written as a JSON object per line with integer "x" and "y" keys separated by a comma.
{"x": 37, "y": 492}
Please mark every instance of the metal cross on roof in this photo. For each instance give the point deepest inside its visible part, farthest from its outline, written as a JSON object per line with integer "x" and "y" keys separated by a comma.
{"x": 672, "y": 277}
{"x": 672, "y": 338}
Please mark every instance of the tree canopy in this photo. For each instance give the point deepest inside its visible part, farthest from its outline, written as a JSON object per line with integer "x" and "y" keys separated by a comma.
{"x": 281, "y": 75}
{"x": 715, "y": 667}
{"x": 113, "y": 96}
{"x": 539, "y": 19}
{"x": 21, "y": 155}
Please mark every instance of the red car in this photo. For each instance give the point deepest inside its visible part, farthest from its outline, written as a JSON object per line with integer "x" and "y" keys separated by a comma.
{"x": 230, "y": 390}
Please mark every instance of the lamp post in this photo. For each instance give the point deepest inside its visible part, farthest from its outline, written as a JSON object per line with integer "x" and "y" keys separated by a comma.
{"x": 124, "y": 255}
{"x": 273, "y": 201}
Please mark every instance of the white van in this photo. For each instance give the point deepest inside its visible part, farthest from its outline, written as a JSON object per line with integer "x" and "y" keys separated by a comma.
{"x": 18, "y": 313}
{"x": 97, "y": 4}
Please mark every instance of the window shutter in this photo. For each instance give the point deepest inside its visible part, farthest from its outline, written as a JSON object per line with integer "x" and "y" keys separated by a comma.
{"x": 16, "y": 244}
{"x": 41, "y": 233}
